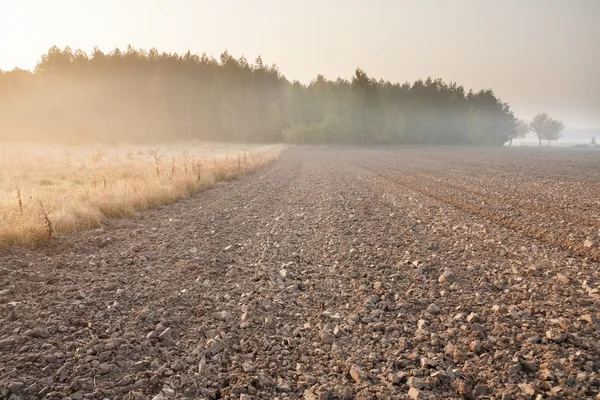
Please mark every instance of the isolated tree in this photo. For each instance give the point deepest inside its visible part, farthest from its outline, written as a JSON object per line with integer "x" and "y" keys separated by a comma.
{"x": 546, "y": 127}
{"x": 594, "y": 141}
{"x": 538, "y": 125}
{"x": 520, "y": 131}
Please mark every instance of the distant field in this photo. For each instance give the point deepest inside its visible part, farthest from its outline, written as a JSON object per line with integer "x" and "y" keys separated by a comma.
{"x": 47, "y": 190}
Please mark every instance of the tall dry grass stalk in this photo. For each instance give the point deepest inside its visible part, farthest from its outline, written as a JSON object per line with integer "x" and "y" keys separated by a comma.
{"x": 46, "y": 193}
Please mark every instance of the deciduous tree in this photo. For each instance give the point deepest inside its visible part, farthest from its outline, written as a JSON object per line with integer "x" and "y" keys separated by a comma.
{"x": 546, "y": 127}
{"x": 520, "y": 131}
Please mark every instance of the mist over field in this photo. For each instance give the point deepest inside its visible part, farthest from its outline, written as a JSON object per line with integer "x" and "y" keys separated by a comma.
{"x": 113, "y": 90}
{"x": 139, "y": 95}
{"x": 316, "y": 200}
{"x": 145, "y": 96}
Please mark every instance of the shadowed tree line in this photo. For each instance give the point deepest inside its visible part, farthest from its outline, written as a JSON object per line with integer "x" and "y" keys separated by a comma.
{"x": 142, "y": 95}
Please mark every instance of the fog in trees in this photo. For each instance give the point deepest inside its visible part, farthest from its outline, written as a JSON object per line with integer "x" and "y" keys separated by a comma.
{"x": 139, "y": 95}
{"x": 520, "y": 131}
{"x": 546, "y": 128}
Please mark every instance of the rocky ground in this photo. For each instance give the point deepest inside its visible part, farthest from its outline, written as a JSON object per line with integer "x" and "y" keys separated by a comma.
{"x": 330, "y": 274}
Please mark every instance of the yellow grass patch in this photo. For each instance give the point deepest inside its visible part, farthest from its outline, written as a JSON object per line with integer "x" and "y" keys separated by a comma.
{"x": 48, "y": 190}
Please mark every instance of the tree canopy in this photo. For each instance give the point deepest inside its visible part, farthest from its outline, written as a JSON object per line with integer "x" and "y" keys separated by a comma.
{"x": 520, "y": 131}
{"x": 546, "y": 127}
{"x": 140, "y": 95}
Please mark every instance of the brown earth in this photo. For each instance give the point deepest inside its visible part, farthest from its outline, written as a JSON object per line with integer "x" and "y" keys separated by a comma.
{"x": 330, "y": 274}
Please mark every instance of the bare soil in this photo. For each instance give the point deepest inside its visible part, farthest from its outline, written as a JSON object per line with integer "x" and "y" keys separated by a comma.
{"x": 330, "y": 274}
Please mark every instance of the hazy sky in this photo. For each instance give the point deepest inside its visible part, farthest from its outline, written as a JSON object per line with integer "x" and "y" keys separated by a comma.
{"x": 538, "y": 55}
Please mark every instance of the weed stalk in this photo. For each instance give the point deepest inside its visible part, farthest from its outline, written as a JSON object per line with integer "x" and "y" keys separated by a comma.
{"x": 156, "y": 156}
{"x": 20, "y": 201}
{"x": 47, "y": 221}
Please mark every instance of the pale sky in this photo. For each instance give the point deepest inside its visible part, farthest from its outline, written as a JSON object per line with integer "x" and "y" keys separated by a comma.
{"x": 538, "y": 55}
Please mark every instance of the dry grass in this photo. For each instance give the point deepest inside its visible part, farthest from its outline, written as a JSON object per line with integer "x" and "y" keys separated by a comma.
{"x": 45, "y": 191}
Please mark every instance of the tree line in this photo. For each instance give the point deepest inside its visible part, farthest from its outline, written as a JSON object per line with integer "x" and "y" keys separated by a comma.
{"x": 140, "y": 95}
